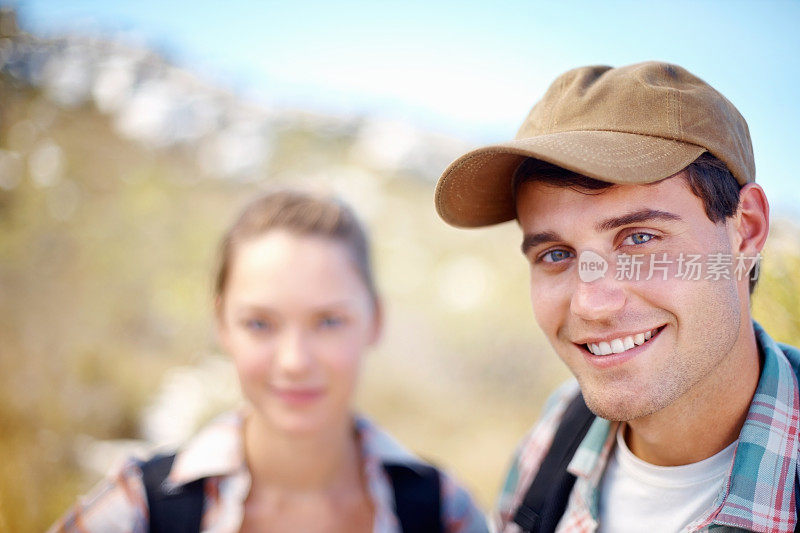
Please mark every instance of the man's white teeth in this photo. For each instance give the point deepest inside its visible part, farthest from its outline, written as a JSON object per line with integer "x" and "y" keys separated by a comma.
{"x": 628, "y": 342}
{"x": 620, "y": 345}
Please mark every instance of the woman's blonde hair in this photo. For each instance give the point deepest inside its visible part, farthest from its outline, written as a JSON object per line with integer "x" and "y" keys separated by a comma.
{"x": 302, "y": 214}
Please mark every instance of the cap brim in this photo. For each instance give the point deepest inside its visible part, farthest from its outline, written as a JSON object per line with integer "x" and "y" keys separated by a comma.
{"x": 475, "y": 190}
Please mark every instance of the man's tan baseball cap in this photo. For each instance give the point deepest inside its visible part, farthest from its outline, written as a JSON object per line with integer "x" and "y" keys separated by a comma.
{"x": 634, "y": 124}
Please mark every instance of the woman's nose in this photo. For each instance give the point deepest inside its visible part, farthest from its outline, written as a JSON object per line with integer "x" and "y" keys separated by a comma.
{"x": 294, "y": 354}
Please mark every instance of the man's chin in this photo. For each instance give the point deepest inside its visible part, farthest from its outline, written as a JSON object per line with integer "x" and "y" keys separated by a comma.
{"x": 618, "y": 407}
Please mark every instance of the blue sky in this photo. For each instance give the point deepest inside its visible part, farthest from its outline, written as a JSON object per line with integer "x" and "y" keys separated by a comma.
{"x": 472, "y": 69}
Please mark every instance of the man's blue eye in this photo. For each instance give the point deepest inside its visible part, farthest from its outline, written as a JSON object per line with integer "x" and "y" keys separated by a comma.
{"x": 638, "y": 238}
{"x": 555, "y": 256}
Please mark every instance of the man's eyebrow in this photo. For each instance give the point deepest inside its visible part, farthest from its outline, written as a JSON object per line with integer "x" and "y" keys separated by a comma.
{"x": 538, "y": 238}
{"x": 643, "y": 215}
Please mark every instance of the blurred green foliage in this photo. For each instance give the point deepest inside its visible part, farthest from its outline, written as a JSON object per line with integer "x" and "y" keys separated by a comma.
{"x": 105, "y": 278}
{"x": 776, "y": 300}
{"x": 105, "y": 283}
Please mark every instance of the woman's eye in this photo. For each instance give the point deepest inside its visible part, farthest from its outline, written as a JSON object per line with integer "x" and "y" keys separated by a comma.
{"x": 637, "y": 238}
{"x": 329, "y": 322}
{"x": 257, "y": 325}
{"x": 555, "y": 256}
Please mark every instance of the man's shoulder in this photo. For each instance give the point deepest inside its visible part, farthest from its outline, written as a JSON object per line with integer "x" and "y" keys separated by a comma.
{"x": 552, "y": 412}
{"x": 792, "y": 354}
{"x": 532, "y": 450}
{"x": 536, "y": 442}
{"x": 560, "y": 398}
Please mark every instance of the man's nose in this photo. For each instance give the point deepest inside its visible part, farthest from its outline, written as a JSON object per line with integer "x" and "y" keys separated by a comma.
{"x": 597, "y": 300}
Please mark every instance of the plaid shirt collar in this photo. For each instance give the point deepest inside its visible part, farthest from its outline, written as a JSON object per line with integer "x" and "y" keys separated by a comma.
{"x": 759, "y": 493}
{"x": 218, "y": 449}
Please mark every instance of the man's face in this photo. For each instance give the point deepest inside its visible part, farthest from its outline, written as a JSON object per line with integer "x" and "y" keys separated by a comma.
{"x": 667, "y": 336}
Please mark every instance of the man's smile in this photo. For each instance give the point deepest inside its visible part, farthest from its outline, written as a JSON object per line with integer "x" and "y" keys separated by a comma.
{"x": 618, "y": 343}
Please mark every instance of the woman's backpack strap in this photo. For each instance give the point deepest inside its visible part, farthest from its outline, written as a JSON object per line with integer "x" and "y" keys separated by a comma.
{"x": 417, "y": 496}
{"x": 417, "y": 493}
{"x": 178, "y": 510}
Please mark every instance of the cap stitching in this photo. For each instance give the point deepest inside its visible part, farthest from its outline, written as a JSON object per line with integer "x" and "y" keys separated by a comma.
{"x": 641, "y": 159}
{"x": 670, "y": 112}
{"x": 680, "y": 114}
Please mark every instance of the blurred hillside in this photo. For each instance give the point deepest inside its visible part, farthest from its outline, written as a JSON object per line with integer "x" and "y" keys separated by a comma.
{"x": 118, "y": 174}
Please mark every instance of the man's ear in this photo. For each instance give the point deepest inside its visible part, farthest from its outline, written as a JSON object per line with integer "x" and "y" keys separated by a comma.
{"x": 752, "y": 220}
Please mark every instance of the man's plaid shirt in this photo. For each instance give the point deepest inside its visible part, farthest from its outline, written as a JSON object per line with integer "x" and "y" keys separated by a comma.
{"x": 757, "y": 495}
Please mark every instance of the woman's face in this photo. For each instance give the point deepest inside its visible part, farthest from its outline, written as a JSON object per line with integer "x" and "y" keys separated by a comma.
{"x": 296, "y": 317}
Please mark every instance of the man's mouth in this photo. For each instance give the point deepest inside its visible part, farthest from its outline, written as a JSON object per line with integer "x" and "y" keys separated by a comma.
{"x": 621, "y": 344}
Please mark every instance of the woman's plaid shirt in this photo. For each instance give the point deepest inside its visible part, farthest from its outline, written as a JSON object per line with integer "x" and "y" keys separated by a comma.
{"x": 119, "y": 504}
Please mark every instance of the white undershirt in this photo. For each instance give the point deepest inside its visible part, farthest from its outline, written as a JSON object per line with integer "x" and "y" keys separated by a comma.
{"x": 637, "y": 496}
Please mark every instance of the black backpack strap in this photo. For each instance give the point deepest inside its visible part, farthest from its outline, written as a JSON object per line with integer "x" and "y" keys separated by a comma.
{"x": 171, "y": 511}
{"x": 547, "y": 496}
{"x": 797, "y": 503}
{"x": 417, "y": 497}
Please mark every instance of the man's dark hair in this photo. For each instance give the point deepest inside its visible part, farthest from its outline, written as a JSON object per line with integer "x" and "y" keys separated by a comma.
{"x": 707, "y": 177}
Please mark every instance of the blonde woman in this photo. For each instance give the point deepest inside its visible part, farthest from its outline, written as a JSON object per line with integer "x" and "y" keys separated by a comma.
{"x": 296, "y": 309}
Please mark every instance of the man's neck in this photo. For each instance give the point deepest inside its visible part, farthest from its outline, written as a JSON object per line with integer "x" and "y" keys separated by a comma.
{"x": 707, "y": 418}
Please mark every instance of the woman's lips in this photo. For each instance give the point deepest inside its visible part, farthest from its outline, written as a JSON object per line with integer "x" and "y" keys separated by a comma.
{"x": 298, "y": 396}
